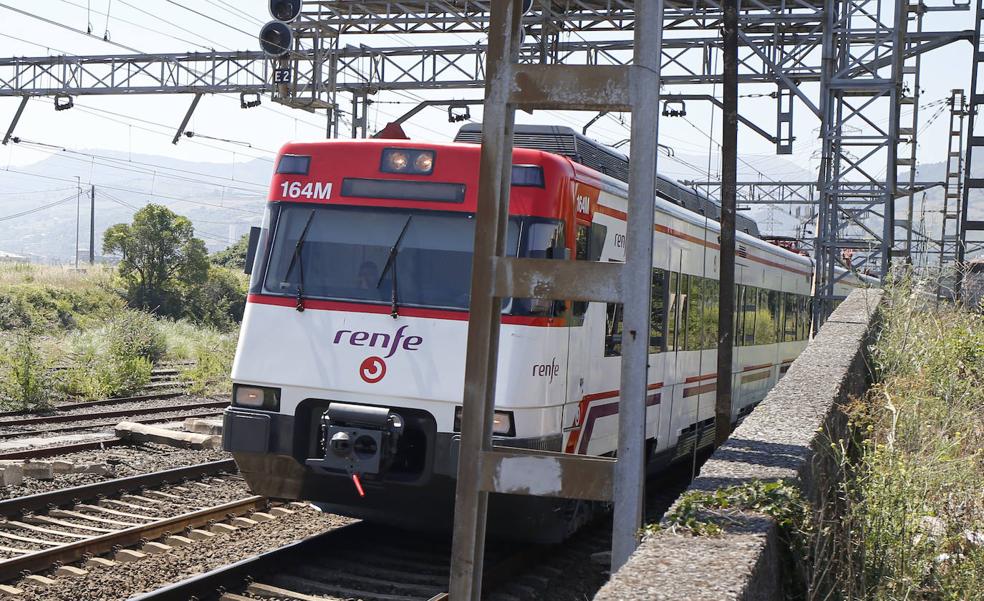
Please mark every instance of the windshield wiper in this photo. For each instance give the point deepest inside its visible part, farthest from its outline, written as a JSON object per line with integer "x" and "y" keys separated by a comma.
{"x": 297, "y": 259}
{"x": 391, "y": 262}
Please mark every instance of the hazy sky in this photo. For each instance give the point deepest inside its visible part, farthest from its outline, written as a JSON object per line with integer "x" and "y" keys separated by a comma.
{"x": 145, "y": 124}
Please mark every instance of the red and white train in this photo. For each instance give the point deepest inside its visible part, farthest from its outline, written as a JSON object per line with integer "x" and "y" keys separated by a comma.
{"x": 349, "y": 373}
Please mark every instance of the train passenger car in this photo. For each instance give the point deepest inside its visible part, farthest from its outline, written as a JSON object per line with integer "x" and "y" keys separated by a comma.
{"x": 349, "y": 372}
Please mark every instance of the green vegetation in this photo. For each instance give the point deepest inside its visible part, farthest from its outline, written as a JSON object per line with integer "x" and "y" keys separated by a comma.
{"x": 900, "y": 507}
{"x": 706, "y": 513}
{"x": 165, "y": 270}
{"x": 912, "y": 524}
{"x": 69, "y": 335}
{"x": 233, "y": 257}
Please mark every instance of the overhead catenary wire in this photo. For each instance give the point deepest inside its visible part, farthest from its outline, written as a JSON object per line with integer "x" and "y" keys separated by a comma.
{"x": 133, "y": 191}
{"x": 172, "y": 24}
{"x": 37, "y": 209}
{"x": 159, "y": 170}
{"x": 66, "y": 27}
{"x": 138, "y": 25}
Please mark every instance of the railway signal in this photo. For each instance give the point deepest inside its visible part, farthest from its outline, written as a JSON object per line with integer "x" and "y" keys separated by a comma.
{"x": 276, "y": 36}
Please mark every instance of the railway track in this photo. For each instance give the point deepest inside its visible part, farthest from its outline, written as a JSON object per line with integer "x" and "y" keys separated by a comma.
{"x": 88, "y": 421}
{"x": 360, "y": 561}
{"x": 374, "y": 563}
{"x": 38, "y": 532}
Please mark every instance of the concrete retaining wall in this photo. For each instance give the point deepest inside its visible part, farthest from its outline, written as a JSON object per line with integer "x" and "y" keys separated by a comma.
{"x": 780, "y": 440}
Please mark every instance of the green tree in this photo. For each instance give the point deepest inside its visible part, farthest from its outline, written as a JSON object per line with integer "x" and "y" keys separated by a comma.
{"x": 161, "y": 259}
{"x": 233, "y": 257}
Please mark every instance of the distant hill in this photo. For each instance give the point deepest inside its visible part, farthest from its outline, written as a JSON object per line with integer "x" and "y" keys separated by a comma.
{"x": 222, "y": 200}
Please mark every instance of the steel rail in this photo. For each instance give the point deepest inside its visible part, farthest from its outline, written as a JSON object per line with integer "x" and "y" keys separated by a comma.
{"x": 55, "y": 419}
{"x": 232, "y": 575}
{"x": 39, "y": 452}
{"x": 42, "y": 560}
{"x": 146, "y": 420}
{"x": 96, "y": 403}
{"x": 67, "y": 496}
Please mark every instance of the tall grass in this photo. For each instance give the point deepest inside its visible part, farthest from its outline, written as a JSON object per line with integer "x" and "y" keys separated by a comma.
{"x": 912, "y": 517}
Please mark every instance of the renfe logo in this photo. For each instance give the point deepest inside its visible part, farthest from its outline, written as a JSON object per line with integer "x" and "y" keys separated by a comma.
{"x": 380, "y": 340}
{"x": 372, "y": 370}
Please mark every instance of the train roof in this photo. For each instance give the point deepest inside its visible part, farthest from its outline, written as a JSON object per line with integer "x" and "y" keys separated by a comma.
{"x": 581, "y": 149}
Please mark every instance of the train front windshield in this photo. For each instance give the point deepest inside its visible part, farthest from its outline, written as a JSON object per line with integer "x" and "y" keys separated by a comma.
{"x": 357, "y": 253}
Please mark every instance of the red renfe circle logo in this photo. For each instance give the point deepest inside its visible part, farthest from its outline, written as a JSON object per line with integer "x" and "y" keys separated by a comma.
{"x": 372, "y": 369}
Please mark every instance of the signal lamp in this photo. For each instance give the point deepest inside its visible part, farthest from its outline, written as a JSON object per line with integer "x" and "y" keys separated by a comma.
{"x": 63, "y": 102}
{"x": 502, "y": 422}
{"x": 285, "y": 10}
{"x": 399, "y": 160}
{"x": 276, "y": 39}
{"x": 256, "y": 397}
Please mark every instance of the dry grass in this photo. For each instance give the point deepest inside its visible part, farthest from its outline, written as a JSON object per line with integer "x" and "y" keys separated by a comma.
{"x": 912, "y": 525}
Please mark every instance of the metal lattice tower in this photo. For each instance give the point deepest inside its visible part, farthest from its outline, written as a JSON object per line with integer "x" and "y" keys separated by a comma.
{"x": 968, "y": 230}
{"x": 862, "y": 70}
{"x": 864, "y": 53}
{"x": 953, "y": 191}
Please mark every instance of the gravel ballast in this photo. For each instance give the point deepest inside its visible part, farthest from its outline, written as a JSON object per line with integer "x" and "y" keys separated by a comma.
{"x": 123, "y": 461}
{"x": 125, "y": 580}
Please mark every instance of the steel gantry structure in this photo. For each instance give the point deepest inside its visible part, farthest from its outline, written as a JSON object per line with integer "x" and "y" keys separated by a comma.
{"x": 852, "y": 64}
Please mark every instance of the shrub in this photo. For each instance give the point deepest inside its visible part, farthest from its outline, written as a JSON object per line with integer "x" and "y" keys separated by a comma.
{"x": 25, "y": 374}
{"x": 136, "y": 334}
{"x": 219, "y": 301}
{"x": 213, "y": 365}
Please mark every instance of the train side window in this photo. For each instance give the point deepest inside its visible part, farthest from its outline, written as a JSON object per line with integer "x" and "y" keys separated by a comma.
{"x": 673, "y": 312}
{"x": 692, "y": 311}
{"x": 657, "y": 312}
{"x": 613, "y": 330}
{"x": 749, "y": 311}
{"x": 765, "y": 325}
{"x": 790, "y": 314}
{"x": 775, "y": 313}
{"x": 542, "y": 240}
{"x": 709, "y": 317}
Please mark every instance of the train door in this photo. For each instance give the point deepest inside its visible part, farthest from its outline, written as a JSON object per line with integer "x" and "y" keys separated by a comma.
{"x": 588, "y": 242}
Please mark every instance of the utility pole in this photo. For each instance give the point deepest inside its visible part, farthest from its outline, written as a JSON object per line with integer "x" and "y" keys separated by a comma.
{"x": 78, "y": 217}
{"x": 729, "y": 178}
{"x": 92, "y": 224}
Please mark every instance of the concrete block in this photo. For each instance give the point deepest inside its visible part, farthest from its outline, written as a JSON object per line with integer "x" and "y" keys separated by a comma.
{"x": 70, "y": 572}
{"x": 279, "y": 511}
{"x": 10, "y": 592}
{"x": 11, "y": 475}
{"x": 178, "y": 541}
{"x": 200, "y": 534}
{"x": 154, "y": 548}
{"x": 99, "y": 562}
{"x": 60, "y": 466}
{"x": 222, "y": 529}
{"x": 128, "y": 556}
{"x": 39, "y": 470}
{"x": 198, "y": 425}
{"x": 41, "y": 580}
{"x": 260, "y": 516}
{"x": 243, "y": 522}
{"x": 147, "y": 433}
{"x": 100, "y": 469}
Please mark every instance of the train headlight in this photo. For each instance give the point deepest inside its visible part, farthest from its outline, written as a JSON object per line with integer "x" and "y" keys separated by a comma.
{"x": 256, "y": 397}
{"x": 395, "y": 161}
{"x": 502, "y": 422}
{"x": 407, "y": 160}
{"x": 424, "y": 162}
